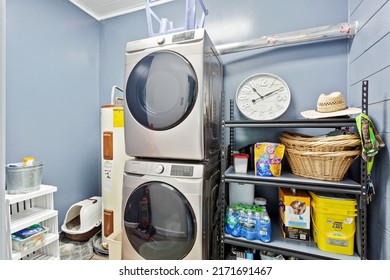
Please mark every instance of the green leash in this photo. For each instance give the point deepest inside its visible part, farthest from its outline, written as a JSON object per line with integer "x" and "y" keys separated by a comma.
{"x": 371, "y": 144}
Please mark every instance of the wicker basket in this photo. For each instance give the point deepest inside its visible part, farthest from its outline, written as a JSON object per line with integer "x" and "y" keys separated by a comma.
{"x": 303, "y": 142}
{"x": 325, "y": 158}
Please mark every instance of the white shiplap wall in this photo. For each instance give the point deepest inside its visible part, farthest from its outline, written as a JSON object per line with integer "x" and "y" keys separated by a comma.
{"x": 369, "y": 59}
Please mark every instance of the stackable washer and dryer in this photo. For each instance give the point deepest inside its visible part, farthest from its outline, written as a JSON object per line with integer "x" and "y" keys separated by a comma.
{"x": 169, "y": 209}
{"x": 173, "y": 89}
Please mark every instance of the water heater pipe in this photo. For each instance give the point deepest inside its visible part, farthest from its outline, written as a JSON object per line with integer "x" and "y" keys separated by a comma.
{"x": 327, "y": 32}
{"x": 113, "y": 93}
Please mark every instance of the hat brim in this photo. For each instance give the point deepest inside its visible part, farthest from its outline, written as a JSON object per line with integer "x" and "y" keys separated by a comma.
{"x": 313, "y": 114}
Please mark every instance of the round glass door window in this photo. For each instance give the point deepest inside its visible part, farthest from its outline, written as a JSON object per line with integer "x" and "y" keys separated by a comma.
{"x": 159, "y": 222}
{"x": 161, "y": 90}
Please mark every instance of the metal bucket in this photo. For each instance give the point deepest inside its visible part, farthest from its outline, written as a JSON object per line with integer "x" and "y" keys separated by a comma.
{"x": 21, "y": 178}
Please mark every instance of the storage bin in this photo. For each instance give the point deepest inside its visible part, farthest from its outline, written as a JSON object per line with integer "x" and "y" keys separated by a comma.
{"x": 22, "y": 178}
{"x": 114, "y": 241}
{"x": 165, "y": 26}
{"x": 334, "y": 226}
{"x": 240, "y": 163}
{"x": 269, "y": 256}
{"x": 241, "y": 193}
{"x": 29, "y": 238}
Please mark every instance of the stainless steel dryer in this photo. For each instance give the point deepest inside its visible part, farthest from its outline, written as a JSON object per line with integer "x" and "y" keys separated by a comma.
{"x": 173, "y": 97}
{"x": 169, "y": 210}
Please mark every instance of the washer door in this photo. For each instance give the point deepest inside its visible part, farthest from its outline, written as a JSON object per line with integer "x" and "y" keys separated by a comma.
{"x": 159, "y": 222}
{"x": 161, "y": 90}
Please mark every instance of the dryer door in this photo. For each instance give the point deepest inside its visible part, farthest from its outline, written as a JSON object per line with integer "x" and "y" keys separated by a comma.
{"x": 161, "y": 90}
{"x": 159, "y": 222}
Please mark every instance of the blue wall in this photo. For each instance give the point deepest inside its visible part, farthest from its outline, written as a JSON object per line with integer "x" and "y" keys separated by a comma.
{"x": 369, "y": 60}
{"x": 53, "y": 95}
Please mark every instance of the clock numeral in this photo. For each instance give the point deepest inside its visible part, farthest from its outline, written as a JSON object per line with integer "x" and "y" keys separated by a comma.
{"x": 261, "y": 114}
{"x": 244, "y": 106}
{"x": 282, "y": 97}
{"x": 243, "y": 97}
{"x": 252, "y": 85}
{"x": 263, "y": 82}
{"x": 246, "y": 89}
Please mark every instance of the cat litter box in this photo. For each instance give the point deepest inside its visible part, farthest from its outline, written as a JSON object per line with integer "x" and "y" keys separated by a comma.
{"x": 83, "y": 219}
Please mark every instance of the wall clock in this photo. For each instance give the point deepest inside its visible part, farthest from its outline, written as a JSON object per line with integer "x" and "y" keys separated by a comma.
{"x": 263, "y": 96}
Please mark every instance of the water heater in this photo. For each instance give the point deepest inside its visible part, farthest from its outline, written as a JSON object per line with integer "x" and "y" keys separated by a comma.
{"x": 113, "y": 157}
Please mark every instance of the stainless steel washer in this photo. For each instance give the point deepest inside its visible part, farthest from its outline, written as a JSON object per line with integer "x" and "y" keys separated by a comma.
{"x": 169, "y": 210}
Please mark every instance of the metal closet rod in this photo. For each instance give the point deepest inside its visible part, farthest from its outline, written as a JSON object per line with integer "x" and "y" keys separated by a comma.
{"x": 327, "y": 32}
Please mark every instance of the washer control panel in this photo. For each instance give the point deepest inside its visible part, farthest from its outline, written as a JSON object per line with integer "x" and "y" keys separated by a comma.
{"x": 167, "y": 169}
{"x": 182, "y": 170}
{"x": 159, "y": 168}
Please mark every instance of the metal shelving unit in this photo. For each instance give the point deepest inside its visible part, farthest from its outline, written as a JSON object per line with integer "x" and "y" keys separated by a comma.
{"x": 304, "y": 250}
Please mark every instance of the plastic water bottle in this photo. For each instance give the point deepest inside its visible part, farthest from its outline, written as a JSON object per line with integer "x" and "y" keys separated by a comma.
{"x": 237, "y": 231}
{"x": 263, "y": 221}
{"x": 248, "y": 228}
{"x": 231, "y": 220}
{"x": 264, "y": 228}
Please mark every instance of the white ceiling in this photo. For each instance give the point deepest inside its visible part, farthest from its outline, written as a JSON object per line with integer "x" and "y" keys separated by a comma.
{"x": 103, "y": 9}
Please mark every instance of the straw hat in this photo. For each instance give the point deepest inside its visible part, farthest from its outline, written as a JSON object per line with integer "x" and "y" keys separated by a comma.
{"x": 330, "y": 105}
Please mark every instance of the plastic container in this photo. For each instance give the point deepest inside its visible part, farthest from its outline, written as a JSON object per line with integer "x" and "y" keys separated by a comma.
{"x": 114, "y": 241}
{"x": 21, "y": 178}
{"x": 29, "y": 238}
{"x": 261, "y": 201}
{"x": 166, "y": 26}
{"x": 269, "y": 256}
{"x": 240, "y": 163}
{"x": 334, "y": 225}
{"x": 241, "y": 193}
{"x": 28, "y": 161}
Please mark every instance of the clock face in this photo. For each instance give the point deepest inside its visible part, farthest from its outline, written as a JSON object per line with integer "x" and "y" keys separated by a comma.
{"x": 263, "y": 97}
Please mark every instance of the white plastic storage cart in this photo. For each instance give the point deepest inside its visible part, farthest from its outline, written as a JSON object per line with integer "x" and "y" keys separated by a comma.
{"x": 35, "y": 207}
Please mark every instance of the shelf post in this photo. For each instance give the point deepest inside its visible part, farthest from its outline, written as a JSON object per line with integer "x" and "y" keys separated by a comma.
{"x": 221, "y": 194}
{"x": 363, "y": 182}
